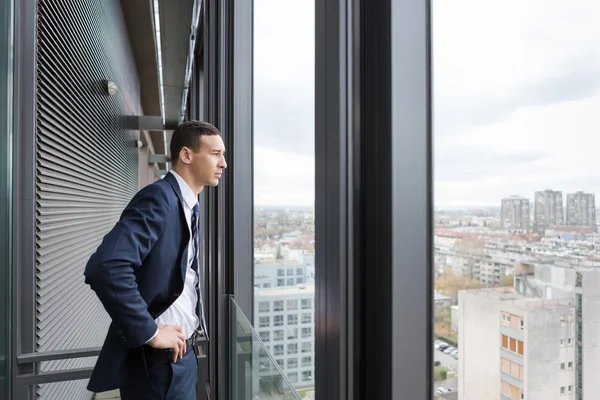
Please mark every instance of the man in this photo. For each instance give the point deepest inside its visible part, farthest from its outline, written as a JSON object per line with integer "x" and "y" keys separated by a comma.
{"x": 145, "y": 273}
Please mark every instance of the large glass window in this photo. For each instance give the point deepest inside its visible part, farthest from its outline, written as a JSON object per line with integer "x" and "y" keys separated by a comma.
{"x": 284, "y": 178}
{"x": 6, "y": 151}
{"x": 515, "y": 116}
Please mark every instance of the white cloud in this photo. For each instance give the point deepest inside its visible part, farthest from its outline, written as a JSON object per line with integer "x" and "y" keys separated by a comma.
{"x": 516, "y": 92}
{"x": 516, "y": 89}
{"x": 283, "y": 178}
{"x": 284, "y": 64}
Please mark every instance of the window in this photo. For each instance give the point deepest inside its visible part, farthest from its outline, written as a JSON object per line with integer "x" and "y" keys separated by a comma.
{"x": 263, "y": 322}
{"x": 292, "y": 333}
{"x": 292, "y": 348}
{"x": 307, "y": 347}
{"x": 283, "y": 110}
{"x": 292, "y": 305}
{"x": 306, "y": 376}
{"x": 306, "y": 361}
{"x": 265, "y": 336}
{"x": 278, "y": 350}
{"x": 306, "y": 333}
{"x": 306, "y": 304}
{"x": 278, "y": 305}
{"x": 306, "y": 318}
{"x": 570, "y": 389}
{"x": 487, "y": 209}
{"x": 292, "y": 319}
{"x": 278, "y": 320}
{"x": 263, "y": 306}
{"x": 278, "y": 335}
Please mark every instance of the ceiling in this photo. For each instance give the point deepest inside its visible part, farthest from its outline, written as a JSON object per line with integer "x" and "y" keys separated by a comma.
{"x": 175, "y": 19}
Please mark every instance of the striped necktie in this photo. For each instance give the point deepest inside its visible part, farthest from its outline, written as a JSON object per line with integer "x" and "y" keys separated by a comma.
{"x": 196, "y": 241}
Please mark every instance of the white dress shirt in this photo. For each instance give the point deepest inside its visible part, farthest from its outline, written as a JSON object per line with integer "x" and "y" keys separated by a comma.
{"x": 183, "y": 311}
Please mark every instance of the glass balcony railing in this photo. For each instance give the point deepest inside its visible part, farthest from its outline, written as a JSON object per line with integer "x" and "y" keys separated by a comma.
{"x": 255, "y": 375}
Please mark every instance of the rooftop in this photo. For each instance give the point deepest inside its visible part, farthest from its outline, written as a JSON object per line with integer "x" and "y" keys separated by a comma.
{"x": 509, "y": 296}
{"x": 308, "y": 289}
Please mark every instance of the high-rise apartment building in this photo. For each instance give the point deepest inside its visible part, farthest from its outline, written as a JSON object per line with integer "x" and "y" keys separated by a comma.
{"x": 515, "y": 347}
{"x": 575, "y": 280}
{"x": 515, "y": 213}
{"x": 284, "y": 318}
{"x": 548, "y": 210}
{"x": 581, "y": 209}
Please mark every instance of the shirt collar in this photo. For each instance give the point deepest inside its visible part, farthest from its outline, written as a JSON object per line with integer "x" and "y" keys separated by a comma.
{"x": 186, "y": 192}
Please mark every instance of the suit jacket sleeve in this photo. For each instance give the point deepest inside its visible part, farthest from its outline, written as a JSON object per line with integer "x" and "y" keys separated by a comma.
{"x": 110, "y": 271}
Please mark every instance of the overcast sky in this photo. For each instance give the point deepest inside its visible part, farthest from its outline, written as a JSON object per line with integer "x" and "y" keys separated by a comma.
{"x": 516, "y": 99}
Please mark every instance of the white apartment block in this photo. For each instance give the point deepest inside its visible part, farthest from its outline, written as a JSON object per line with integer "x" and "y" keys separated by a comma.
{"x": 566, "y": 279}
{"x": 284, "y": 319}
{"x": 513, "y": 347}
{"x": 269, "y": 274}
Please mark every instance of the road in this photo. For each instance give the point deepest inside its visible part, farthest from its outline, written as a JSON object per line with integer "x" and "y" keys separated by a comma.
{"x": 451, "y": 383}
{"x": 446, "y": 360}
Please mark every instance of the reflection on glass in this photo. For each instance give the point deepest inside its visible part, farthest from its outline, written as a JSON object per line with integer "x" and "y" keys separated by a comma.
{"x": 517, "y": 265}
{"x": 255, "y": 373}
{"x": 284, "y": 177}
{"x": 6, "y": 107}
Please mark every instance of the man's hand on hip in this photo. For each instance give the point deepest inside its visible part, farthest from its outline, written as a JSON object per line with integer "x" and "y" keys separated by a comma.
{"x": 170, "y": 337}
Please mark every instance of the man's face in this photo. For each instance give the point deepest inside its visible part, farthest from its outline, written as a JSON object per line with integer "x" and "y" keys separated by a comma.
{"x": 208, "y": 163}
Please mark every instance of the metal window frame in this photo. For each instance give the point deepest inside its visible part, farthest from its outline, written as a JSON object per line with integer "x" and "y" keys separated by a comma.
{"x": 228, "y": 104}
{"x": 6, "y": 234}
{"x": 24, "y": 262}
{"x": 373, "y": 200}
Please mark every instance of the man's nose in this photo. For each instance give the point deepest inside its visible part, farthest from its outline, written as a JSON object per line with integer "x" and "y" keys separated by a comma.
{"x": 223, "y": 164}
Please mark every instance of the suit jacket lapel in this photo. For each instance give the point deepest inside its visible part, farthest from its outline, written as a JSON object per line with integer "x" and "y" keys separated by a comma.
{"x": 184, "y": 257}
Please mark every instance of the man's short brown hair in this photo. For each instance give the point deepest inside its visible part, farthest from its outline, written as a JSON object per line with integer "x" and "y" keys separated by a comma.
{"x": 187, "y": 134}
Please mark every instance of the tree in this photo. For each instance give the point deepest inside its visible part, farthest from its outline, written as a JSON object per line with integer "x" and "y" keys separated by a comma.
{"x": 508, "y": 280}
{"x": 440, "y": 374}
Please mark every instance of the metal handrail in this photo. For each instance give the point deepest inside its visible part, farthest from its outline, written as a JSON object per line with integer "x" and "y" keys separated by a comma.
{"x": 27, "y": 358}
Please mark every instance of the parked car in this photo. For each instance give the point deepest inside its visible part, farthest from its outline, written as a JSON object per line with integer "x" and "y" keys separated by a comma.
{"x": 448, "y": 350}
{"x": 443, "y": 346}
{"x": 454, "y": 352}
{"x": 441, "y": 390}
{"x": 436, "y": 363}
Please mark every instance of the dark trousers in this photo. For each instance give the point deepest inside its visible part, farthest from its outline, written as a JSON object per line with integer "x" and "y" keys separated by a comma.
{"x": 163, "y": 379}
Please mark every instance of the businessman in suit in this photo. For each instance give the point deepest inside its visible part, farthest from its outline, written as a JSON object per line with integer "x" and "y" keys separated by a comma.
{"x": 145, "y": 273}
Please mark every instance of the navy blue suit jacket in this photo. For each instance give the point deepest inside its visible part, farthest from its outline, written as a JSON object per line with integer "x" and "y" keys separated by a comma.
{"x": 137, "y": 272}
